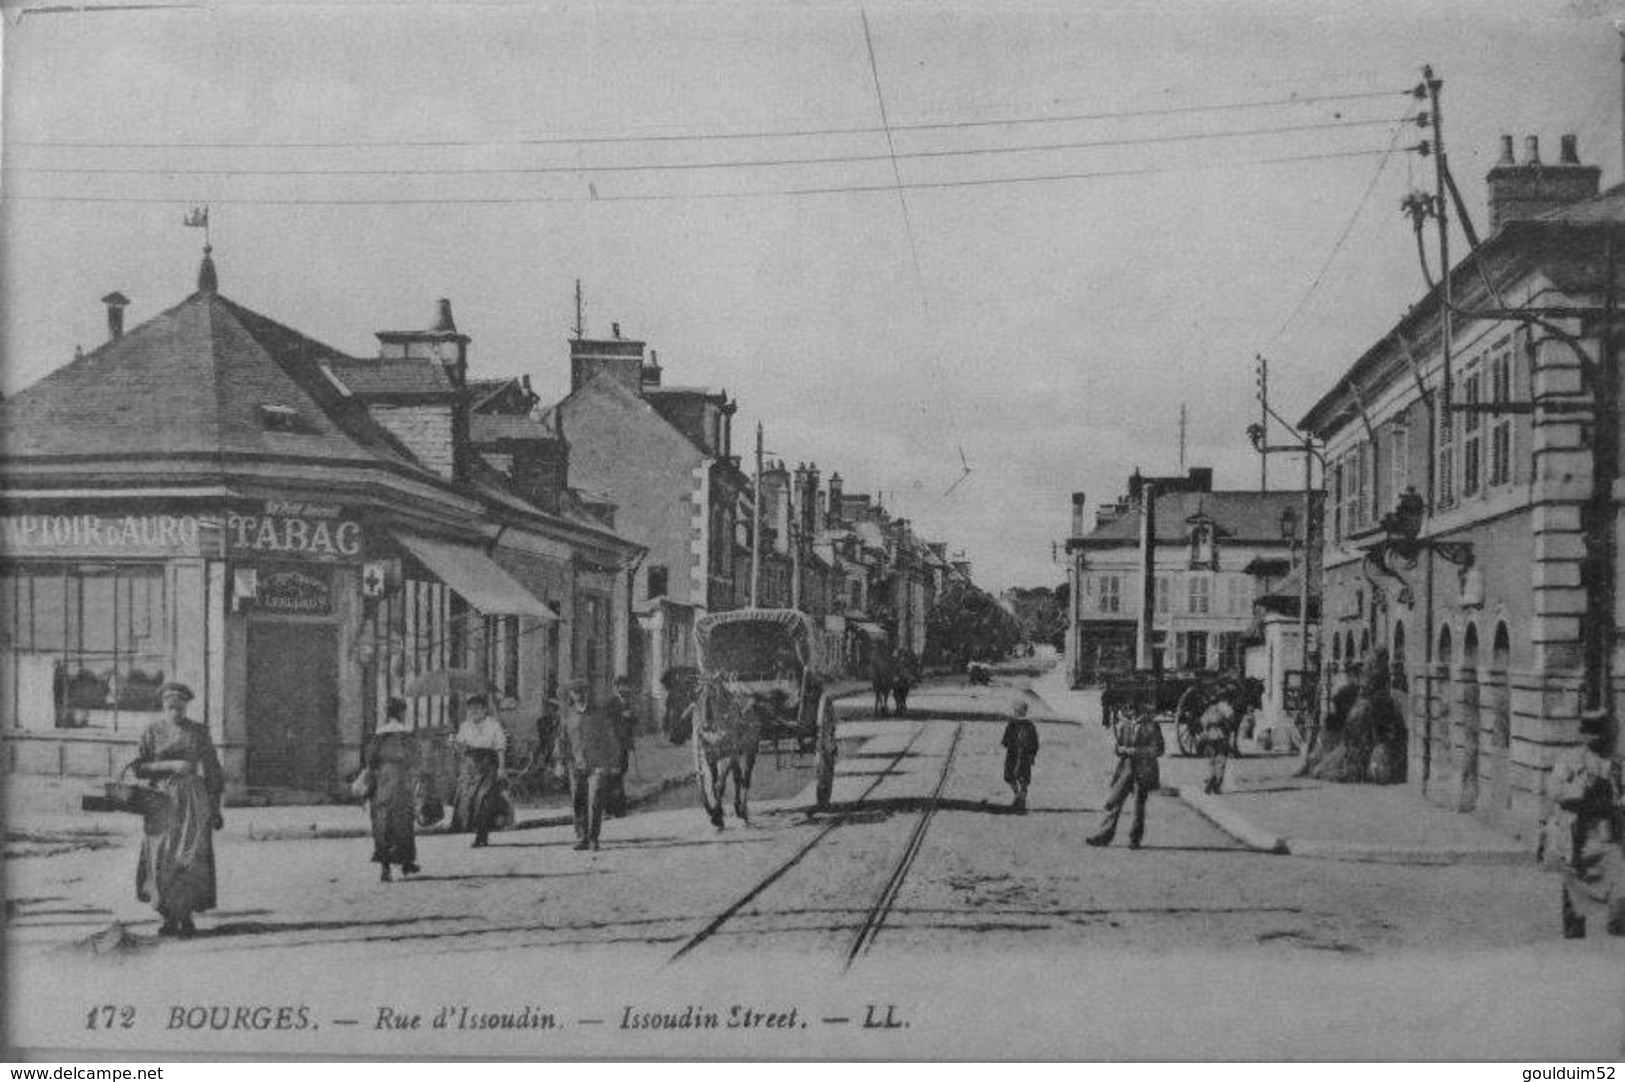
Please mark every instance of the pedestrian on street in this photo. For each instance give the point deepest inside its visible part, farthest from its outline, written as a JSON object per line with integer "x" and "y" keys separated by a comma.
{"x": 1020, "y": 749}
{"x": 1326, "y": 756}
{"x": 393, "y": 764}
{"x": 1218, "y": 726}
{"x": 1139, "y": 745}
{"x": 623, "y": 717}
{"x": 1588, "y": 828}
{"x": 880, "y": 678}
{"x": 176, "y": 872}
{"x": 589, "y": 751}
{"x": 483, "y": 745}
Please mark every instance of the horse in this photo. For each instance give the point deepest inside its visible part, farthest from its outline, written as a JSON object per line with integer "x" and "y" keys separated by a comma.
{"x": 880, "y": 678}
{"x": 726, "y": 738}
{"x": 905, "y": 674}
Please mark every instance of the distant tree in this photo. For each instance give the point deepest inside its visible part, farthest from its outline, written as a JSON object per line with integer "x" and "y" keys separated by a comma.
{"x": 967, "y": 624}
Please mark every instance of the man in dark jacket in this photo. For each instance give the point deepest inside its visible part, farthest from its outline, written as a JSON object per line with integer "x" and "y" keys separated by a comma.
{"x": 623, "y": 716}
{"x": 1139, "y": 745}
{"x": 590, "y": 753}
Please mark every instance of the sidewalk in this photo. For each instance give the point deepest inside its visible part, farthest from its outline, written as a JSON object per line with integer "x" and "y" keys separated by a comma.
{"x": 43, "y": 817}
{"x": 1267, "y": 808}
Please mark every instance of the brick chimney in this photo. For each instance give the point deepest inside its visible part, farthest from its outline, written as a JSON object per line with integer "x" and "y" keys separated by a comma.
{"x": 651, "y": 371}
{"x": 116, "y": 303}
{"x": 621, "y": 358}
{"x": 1077, "y": 514}
{"x": 1528, "y": 189}
{"x": 834, "y": 514}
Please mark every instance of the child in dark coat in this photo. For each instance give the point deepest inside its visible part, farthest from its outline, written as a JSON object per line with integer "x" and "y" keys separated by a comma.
{"x": 1020, "y": 749}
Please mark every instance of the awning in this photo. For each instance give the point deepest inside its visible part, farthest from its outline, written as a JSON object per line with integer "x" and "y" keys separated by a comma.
{"x": 476, "y": 578}
{"x": 873, "y": 631}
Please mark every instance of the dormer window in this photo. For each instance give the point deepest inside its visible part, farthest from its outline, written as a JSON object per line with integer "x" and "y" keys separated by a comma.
{"x": 282, "y": 419}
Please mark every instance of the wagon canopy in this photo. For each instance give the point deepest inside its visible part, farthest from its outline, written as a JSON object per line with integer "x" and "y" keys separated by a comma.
{"x": 765, "y": 644}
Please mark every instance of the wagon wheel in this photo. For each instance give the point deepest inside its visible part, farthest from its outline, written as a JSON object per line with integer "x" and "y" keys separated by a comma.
{"x": 1187, "y": 721}
{"x": 826, "y": 751}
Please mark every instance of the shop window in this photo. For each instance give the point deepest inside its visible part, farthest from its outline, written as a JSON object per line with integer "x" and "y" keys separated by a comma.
{"x": 84, "y": 646}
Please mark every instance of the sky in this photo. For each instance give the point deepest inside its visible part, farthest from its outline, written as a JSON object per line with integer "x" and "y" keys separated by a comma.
{"x": 1016, "y": 240}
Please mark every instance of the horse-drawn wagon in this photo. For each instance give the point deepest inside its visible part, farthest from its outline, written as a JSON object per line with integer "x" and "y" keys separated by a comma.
{"x": 764, "y": 674}
{"x": 1180, "y": 697}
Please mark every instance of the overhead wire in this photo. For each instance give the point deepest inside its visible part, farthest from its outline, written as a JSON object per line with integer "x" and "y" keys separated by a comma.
{"x": 893, "y": 156}
{"x": 664, "y": 197}
{"x": 1342, "y": 238}
{"x": 782, "y": 133}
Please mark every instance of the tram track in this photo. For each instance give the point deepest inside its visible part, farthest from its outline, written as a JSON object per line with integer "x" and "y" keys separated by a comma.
{"x": 876, "y": 914}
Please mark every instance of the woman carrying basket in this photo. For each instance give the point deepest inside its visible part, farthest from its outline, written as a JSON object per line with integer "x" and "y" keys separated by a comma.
{"x": 176, "y": 873}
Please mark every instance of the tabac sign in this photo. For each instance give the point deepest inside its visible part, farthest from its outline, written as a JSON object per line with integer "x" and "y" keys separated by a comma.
{"x": 285, "y": 528}
{"x": 312, "y": 531}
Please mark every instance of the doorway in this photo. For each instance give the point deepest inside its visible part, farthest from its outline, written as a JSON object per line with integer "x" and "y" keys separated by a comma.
{"x": 292, "y": 705}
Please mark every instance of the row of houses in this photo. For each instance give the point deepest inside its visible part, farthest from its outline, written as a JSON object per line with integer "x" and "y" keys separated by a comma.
{"x": 300, "y": 534}
{"x": 1468, "y": 522}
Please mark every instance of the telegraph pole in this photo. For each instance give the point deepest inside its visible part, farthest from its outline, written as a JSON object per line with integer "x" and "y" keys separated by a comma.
{"x": 1144, "y": 659}
{"x": 756, "y": 525}
{"x": 1263, "y": 421}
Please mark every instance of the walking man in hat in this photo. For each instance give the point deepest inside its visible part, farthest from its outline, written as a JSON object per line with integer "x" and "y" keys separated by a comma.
{"x": 591, "y": 755}
{"x": 1139, "y": 745}
{"x": 1586, "y": 786}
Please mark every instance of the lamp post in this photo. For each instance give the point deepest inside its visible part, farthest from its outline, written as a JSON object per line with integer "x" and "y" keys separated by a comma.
{"x": 1289, "y": 520}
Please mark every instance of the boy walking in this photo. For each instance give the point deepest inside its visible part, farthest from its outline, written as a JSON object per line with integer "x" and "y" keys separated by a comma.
{"x": 1020, "y": 749}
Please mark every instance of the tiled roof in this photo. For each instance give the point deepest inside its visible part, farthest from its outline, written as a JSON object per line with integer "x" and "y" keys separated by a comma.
{"x": 193, "y": 380}
{"x": 1240, "y": 516}
{"x": 392, "y": 375}
{"x": 489, "y": 427}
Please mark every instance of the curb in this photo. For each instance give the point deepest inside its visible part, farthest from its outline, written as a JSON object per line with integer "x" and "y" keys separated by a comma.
{"x": 1234, "y": 823}
{"x": 1409, "y": 854}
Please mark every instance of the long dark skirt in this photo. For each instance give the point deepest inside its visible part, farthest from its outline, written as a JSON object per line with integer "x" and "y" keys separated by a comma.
{"x": 394, "y": 815}
{"x": 176, "y": 872}
{"x": 477, "y": 792}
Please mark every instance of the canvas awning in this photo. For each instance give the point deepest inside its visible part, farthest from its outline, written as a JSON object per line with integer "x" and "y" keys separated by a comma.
{"x": 475, "y": 577}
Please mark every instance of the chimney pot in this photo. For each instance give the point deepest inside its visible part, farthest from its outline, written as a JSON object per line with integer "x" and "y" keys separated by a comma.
{"x": 1506, "y": 151}
{"x": 442, "y": 316}
{"x": 615, "y": 330}
{"x": 1571, "y": 150}
{"x": 1531, "y": 150}
{"x": 116, "y": 303}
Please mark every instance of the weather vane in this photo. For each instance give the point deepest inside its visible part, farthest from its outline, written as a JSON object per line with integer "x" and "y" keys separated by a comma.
{"x": 198, "y": 218}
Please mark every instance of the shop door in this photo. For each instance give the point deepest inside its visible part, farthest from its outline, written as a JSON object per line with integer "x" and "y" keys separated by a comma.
{"x": 292, "y": 705}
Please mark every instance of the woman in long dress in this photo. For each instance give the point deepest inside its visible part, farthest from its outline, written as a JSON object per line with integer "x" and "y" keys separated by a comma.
{"x": 176, "y": 873}
{"x": 392, "y": 758}
{"x": 483, "y": 745}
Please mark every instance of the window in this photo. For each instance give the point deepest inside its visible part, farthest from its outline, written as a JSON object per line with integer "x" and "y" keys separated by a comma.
{"x": 658, "y": 581}
{"x": 1399, "y": 460}
{"x": 1445, "y": 459}
{"x": 1337, "y": 501}
{"x": 502, "y": 654}
{"x": 1200, "y": 595}
{"x": 1231, "y": 651}
{"x": 1241, "y": 596}
{"x": 83, "y": 646}
{"x": 1500, "y": 471}
{"x": 1162, "y": 593}
{"x": 1472, "y": 434}
{"x": 1355, "y": 498}
{"x": 1193, "y": 649}
{"x": 1111, "y": 593}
